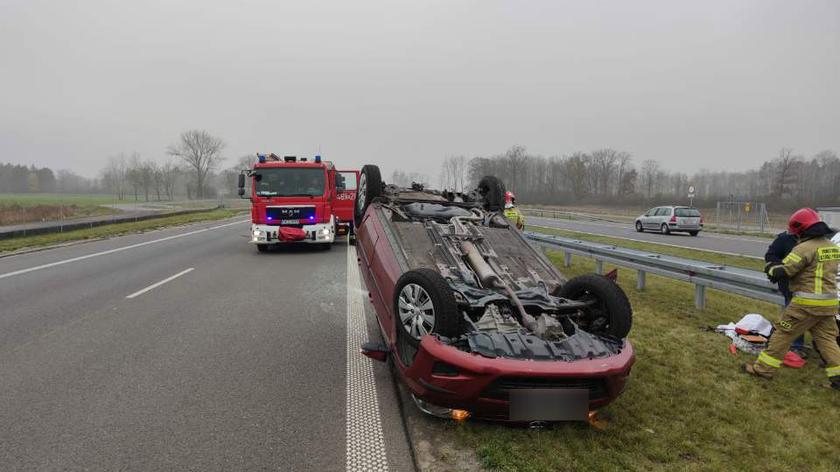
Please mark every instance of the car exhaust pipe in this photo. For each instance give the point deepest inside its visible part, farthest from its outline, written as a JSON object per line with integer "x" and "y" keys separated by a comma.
{"x": 376, "y": 351}
{"x": 489, "y": 278}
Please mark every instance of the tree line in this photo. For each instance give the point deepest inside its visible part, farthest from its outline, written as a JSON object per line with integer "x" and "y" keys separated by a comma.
{"x": 609, "y": 176}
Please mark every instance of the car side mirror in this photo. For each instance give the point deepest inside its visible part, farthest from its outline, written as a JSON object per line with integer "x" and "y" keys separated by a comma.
{"x": 240, "y": 183}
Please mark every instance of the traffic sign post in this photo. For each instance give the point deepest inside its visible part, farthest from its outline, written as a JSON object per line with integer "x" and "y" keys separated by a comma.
{"x": 691, "y": 195}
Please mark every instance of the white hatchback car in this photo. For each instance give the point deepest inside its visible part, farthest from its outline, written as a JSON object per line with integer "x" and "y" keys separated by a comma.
{"x": 669, "y": 219}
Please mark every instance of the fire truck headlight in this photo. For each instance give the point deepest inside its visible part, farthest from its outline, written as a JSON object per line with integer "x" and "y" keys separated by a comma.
{"x": 325, "y": 231}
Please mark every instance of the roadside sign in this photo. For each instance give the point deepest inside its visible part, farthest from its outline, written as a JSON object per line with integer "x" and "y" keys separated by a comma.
{"x": 691, "y": 189}
{"x": 747, "y": 207}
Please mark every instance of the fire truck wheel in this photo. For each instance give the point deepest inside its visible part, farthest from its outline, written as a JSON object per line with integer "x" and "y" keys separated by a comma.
{"x": 370, "y": 187}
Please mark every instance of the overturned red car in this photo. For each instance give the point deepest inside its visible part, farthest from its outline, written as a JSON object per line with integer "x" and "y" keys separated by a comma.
{"x": 477, "y": 322}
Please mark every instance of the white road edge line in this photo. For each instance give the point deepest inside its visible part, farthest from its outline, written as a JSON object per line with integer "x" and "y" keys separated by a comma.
{"x": 647, "y": 242}
{"x": 365, "y": 449}
{"x": 119, "y": 249}
{"x": 158, "y": 284}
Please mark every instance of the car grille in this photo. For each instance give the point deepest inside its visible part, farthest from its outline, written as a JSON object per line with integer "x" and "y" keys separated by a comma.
{"x": 499, "y": 389}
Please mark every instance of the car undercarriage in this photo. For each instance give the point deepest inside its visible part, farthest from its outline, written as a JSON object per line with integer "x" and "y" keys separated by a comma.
{"x": 469, "y": 281}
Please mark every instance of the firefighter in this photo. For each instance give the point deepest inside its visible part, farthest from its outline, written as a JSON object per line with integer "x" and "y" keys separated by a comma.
{"x": 811, "y": 270}
{"x": 511, "y": 212}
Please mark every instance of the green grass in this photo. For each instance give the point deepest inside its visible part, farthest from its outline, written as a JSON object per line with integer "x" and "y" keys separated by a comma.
{"x": 112, "y": 230}
{"x": 697, "y": 254}
{"x": 27, "y": 208}
{"x": 32, "y": 199}
{"x": 687, "y": 405}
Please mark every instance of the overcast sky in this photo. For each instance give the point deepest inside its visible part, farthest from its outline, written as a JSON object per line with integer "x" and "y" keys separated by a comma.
{"x": 705, "y": 84}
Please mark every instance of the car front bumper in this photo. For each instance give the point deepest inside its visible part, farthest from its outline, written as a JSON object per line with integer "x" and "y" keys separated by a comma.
{"x": 317, "y": 233}
{"x": 481, "y": 385}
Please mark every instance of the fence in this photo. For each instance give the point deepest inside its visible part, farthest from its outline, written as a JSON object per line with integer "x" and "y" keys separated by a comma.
{"x": 703, "y": 275}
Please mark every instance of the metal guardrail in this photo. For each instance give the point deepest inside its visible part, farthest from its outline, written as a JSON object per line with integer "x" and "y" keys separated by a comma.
{"x": 749, "y": 283}
{"x": 571, "y": 215}
{"x": 70, "y": 225}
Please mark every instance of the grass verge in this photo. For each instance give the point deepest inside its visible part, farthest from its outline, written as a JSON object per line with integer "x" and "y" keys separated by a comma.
{"x": 696, "y": 254}
{"x": 14, "y": 244}
{"x": 687, "y": 405}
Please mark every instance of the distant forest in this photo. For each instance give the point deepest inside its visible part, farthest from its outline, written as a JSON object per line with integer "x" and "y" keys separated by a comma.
{"x": 611, "y": 177}
{"x": 604, "y": 176}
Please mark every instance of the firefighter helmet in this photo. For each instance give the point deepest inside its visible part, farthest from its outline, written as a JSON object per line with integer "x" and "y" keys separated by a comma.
{"x": 801, "y": 220}
{"x": 510, "y": 199}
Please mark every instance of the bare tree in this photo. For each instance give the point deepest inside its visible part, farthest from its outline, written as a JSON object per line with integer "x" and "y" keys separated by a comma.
{"x": 169, "y": 173}
{"x": 650, "y": 173}
{"x": 201, "y": 151}
{"x": 785, "y": 166}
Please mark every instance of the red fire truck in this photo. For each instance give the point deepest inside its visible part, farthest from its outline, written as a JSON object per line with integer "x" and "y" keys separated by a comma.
{"x": 297, "y": 200}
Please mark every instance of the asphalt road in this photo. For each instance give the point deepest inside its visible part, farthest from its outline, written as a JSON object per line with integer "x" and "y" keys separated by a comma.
{"x": 185, "y": 349}
{"x": 731, "y": 244}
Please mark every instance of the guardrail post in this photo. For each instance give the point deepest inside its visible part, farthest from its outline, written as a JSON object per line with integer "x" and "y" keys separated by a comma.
{"x": 599, "y": 267}
{"x": 700, "y": 296}
{"x": 567, "y": 259}
{"x": 640, "y": 280}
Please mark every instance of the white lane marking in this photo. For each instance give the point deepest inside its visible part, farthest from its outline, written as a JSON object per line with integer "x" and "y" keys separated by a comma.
{"x": 119, "y": 249}
{"x": 158, "y": 284}
{"x": 365, "y": 441}
{"x": 649, "y": 242}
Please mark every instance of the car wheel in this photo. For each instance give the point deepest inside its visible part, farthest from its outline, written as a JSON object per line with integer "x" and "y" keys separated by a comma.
{"x": 493, "y": 191}
{"x": 424, "y": 304}
{"x": 262, "y": 247}
{"x": 610, "y": 312}
{"x": 370, "y": 187}
{"x": 665, "y": 229}
{"x": 694, "y": 233}
{"x": 639, "y": 227}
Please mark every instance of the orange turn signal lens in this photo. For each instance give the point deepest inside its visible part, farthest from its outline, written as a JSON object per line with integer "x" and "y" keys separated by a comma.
{"x": 459, "y": 415}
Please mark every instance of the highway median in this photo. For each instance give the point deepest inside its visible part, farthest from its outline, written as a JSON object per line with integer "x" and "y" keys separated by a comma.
{"x": 22, "y": 244}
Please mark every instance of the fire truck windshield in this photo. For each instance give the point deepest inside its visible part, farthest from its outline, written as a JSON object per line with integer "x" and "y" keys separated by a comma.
{"x": 289, "y": 182}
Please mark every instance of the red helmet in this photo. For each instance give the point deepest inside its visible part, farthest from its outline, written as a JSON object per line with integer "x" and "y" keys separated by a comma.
{"x": 510, "y": 199}
{"x": 801, "y": 220}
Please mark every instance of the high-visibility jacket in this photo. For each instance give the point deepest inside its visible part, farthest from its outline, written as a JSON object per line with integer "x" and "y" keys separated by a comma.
{"x": 812, "y": 269}
{"x": 514, "y": 215}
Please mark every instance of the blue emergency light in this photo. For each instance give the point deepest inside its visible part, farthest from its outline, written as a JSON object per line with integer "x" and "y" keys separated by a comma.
{"x": 317, "y": 159}
{"x": 261, "y": 158}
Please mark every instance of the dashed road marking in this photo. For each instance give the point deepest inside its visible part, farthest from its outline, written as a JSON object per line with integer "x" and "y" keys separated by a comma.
{"x": 158, "y": 284}
{"x": 365, "y": 441}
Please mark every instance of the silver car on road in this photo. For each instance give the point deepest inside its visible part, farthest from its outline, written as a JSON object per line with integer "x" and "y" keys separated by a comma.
{"x": 668, "y": 219}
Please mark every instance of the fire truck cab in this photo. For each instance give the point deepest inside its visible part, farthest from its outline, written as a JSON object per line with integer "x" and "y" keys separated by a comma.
{"x": 297, "y": 200}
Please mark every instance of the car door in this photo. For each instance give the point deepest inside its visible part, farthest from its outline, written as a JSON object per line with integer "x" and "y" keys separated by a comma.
{"x": 345, "y": 195}
{"x": 649, "y": 220}
{"x": 663, "y": 216}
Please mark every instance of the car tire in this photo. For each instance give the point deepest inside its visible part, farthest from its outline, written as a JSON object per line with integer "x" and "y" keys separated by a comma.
{"x": 694, "y": 233}
{"x": 262, "y": 247}
{"x": 609, "y": 297}
{"x": 370, "y": 187}
{"x": 639, "y": 227}
{"x": 664, "y": 228}
{"x": 493, "y": 192}
{"x": 445, "y": 316}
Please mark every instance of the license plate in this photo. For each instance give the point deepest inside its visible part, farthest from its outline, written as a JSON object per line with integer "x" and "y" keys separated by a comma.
{"x": 289, "y": 222}
{"x": 549, "y": 404}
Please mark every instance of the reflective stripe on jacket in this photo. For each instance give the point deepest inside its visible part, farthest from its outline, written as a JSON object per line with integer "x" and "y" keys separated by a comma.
{"x": 812, "y": 269}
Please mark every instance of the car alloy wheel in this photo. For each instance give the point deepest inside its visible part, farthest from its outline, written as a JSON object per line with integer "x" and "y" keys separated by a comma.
{"x": 416, "y": 311}
{"x": 639, "y": 227}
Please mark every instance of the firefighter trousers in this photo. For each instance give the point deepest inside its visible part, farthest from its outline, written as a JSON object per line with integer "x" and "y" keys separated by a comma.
{"x": 795, "y": 322}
